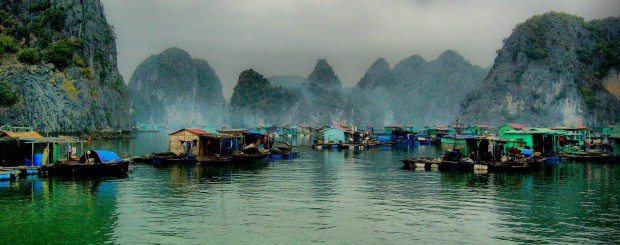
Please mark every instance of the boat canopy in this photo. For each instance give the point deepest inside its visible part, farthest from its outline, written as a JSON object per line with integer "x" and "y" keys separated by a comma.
{"x": 102, "y": 156}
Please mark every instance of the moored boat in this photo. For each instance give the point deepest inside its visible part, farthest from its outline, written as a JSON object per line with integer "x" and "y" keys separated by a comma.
{"x": 250, "y": 155}
{"x": 91, "y": 163}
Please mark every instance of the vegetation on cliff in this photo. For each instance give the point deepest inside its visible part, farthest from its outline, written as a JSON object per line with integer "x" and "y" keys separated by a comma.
{"x": 555, "y": 68}
{"x": 60, "y": 58}
{"x": 256, "y": 102}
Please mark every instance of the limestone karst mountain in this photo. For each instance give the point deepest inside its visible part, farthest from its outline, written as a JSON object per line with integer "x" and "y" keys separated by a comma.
{"x": 58, "y": 70}
{"x": 172, "y": 88}
{"x": 554, "y": 69}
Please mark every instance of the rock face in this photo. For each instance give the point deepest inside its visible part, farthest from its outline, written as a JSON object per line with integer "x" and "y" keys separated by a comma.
{"x": 415, "y": 92}
{"x": 554, "y": 69}
{"x": 287, "y": 81}
{"x": 173, "y": 89}
{"x": 256, "y": 102}
{"x": 372, "y": 99}
{"x": 59, "y": 59}
{"x": 324, "y": 100}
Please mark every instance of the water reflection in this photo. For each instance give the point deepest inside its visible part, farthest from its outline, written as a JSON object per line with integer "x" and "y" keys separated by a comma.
{"x": 80, "y": 211}
{"x": 563, "y": 201}
{"x": 327, "y": 196}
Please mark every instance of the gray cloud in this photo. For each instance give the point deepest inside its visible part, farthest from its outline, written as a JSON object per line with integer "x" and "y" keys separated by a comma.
{"x": 277, "y": 37}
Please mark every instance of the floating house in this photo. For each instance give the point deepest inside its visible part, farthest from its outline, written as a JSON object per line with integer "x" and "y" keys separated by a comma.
{"x": 248, "y": 137}
{"x": 388, "y": 129}
{"x": 32, "y": 149}
{"x": 543, "y": 140}
{"x": 478, "y": 130}
{"x": 438, "y": 130}
{"x": 411, "y": 128}
{"x": 607, "y": 130}
{"x": 200, "y": 143}
{"x": 334, "y": 135}
{"x": 573, "y": 136}
{"x": 510, "y": 127}
{"x": 483, "y": 148}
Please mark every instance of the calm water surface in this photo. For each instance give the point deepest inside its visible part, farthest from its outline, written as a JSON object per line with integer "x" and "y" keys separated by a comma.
{"x": 325, "y": 196}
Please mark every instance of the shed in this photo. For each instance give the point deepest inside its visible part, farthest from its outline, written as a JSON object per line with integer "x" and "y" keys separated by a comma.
{"x": 31, "y": 148}
{"x": 199, "y": 142}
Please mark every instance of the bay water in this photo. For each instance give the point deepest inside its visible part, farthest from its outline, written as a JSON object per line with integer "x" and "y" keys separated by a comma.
{"x": 324, "y": 197}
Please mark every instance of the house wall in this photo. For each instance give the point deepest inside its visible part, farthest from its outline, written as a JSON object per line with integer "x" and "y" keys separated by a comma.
{"x": 503, "y": 129}
{"x": 527, "y": 140}
{"x": 174, "y": 144}
{"x": 333, "y": 135}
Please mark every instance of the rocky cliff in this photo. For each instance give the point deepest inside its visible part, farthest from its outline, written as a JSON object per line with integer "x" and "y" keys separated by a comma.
{"x": 58, "y": 70}
{"x": 323, "y": 97}
{"x": 415, "y": 91}
{"x": 287, "y": 81}
{"x": 174, "y": 89}
{"x": 554, "y": 69}
{"x": 372, "y": 98}
{"x": 256, "y": 102}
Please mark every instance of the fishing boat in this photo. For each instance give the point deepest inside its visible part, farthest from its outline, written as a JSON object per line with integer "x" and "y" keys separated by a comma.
{"x": 284, "y": 147}
{"x": 91, "y": 163}
{"x": 250, "y": 155}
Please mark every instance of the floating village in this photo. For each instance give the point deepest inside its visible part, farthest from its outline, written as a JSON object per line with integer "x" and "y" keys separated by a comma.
{"x": 509, "y": 148}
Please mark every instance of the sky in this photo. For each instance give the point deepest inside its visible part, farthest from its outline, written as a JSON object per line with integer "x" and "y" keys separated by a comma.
{"x": 279, "y": 37}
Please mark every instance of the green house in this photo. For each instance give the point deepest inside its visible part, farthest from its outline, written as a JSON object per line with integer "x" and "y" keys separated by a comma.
{"x": 438, "y": 130}
{"x": 543, "y": 140}
{"x": 411, "y": 128}
{"x": 607, "y": 130}
{"x": 388, "y": 129}
{"x": 477, "y": 129}
{"x": 510, "y": 127}
{"x": 31, "y": 148}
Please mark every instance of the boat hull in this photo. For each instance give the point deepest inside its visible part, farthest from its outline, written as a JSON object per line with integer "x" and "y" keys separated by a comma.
{"x": 81, "y": 169}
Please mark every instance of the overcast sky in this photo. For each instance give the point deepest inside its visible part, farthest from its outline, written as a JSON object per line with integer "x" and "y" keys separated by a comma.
{"x": 277, "y": 37}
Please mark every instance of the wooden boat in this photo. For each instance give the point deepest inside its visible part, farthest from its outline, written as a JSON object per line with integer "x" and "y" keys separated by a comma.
{"x": 284, "y": 147}
{"x": 585, "y": 157}
{"x": 518, "y": 165}
{"x": 92, "y": 163}
{"x": 250, "y": 155}
{"x": 421, "y": 163}
{"x": 211, "y": 160}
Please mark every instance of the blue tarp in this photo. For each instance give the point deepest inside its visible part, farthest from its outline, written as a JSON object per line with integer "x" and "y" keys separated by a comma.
{"x": 383, "y": 138}
{"x": 255, "y": 132}
{"x": 108, "y": 156}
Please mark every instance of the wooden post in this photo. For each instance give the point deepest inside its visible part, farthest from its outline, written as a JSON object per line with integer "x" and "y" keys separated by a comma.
{"x": 32, "y": 155}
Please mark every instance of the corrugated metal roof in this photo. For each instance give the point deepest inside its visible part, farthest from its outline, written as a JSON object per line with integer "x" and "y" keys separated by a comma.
{"x": 516, "y": 125}
{"x": 195, "y": 131}
{"x": 31, "y": 134}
